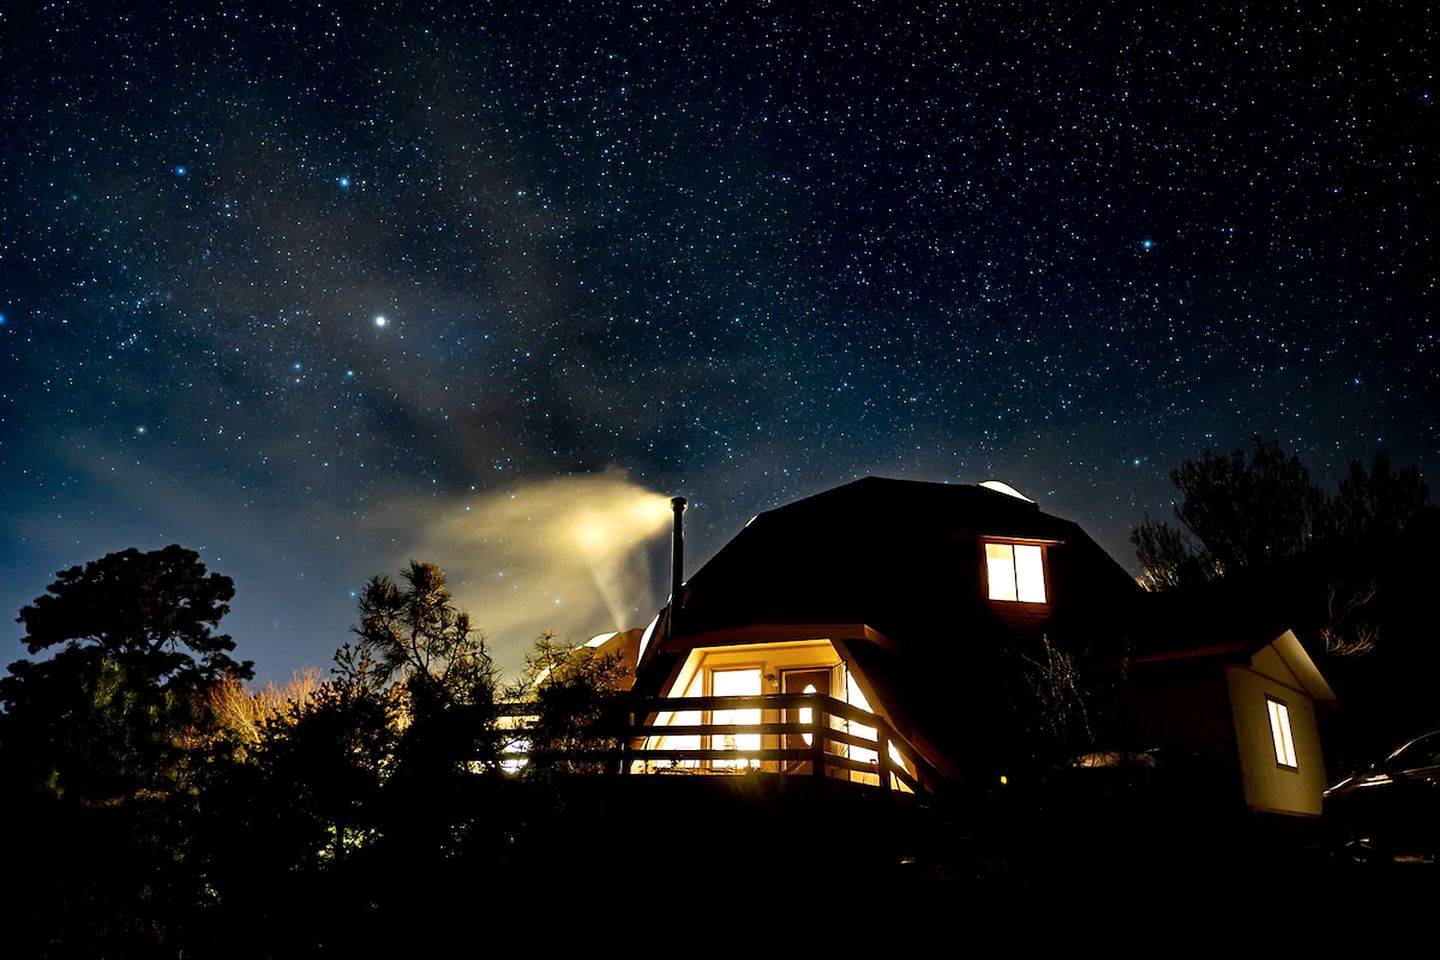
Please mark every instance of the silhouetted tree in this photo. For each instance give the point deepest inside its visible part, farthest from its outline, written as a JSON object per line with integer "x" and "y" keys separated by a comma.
{"x": 106, "y": 745}
{"x": 575, "y": 690}
{"x": 1240, "y": 512}
{"x": 439, "y": 796}
{"x": 1374, "y": 504}
{"x": 1248, "y": 511}
{"x": 1168, "y": 558}
{"x": 1235, "y": 512}
{"x": 119, "y": 708}
{"x": 418, "y": 638}
{"x": 152, "y": 613}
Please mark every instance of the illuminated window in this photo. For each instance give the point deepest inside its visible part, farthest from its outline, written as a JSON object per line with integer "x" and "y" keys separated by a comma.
{"x": 1015, "y": 571}
{"x": 1281, "y": 735}
{"x": 735, "y": 683}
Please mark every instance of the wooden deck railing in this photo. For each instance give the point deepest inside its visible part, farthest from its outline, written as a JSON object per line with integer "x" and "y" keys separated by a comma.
{"x": 818, "y": 747}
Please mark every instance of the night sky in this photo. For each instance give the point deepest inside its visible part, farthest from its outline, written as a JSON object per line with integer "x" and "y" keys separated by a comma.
{"x": 318, "y": 290}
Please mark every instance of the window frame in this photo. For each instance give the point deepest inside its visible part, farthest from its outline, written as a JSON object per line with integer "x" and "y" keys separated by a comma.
{"x": 708, "y": 716}
{"x": 1015, "y": 570}
{"x": 1288, "y": 738}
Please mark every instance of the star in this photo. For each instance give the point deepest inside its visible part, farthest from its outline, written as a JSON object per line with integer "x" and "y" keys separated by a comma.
{"x": 914, "y": 290}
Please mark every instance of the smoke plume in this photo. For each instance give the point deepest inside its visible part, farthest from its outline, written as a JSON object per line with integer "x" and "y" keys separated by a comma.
{"x": 572, "y": 554}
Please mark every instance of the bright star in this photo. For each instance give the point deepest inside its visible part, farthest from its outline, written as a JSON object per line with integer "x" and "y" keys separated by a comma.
{"x": 344, "y": 183}
{"x": 180, "y": 171}
{"x": 381, "y": 321}
{"x": 297, "y": 365}
{"x": 1147, "y": 244}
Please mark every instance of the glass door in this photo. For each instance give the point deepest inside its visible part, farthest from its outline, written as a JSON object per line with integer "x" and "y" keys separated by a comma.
{"x": 809, "y": 680}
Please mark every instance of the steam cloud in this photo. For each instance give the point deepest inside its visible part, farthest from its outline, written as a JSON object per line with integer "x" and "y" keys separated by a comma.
{"x": 568, "y": 554}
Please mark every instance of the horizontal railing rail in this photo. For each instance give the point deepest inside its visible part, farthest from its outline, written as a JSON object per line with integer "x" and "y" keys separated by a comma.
{"x": 819, "y": 746}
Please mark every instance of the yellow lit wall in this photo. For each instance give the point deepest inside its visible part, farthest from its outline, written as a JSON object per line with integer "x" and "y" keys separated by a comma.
{"x": 1269, "y": 786}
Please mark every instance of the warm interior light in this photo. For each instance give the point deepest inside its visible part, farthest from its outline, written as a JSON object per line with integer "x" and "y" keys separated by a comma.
{"x": 1281, "y": 734}
{"x": 1029, "y": 573}
{"x": 1000, "y": 570}
{"x": 807, "y": 716}
{"x": 735, "y": 683}
{"x": 1015, "y": 571}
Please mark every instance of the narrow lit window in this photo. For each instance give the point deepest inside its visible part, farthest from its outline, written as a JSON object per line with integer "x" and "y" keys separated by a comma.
{"x": 1015, "y": 571}
{"x": 1281, "y": 735}
{"x": 735, "y": 683}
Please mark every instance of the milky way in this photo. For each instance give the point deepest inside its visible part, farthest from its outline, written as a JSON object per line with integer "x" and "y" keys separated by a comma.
{"x": 286, "y": 286}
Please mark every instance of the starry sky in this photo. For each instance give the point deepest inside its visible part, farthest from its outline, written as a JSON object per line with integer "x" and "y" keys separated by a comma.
{"x": 314, "y": 288}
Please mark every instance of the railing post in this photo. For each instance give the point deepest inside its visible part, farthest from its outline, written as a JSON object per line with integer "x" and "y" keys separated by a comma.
{"x": 626, "y": 741}
{"x": 820, "y": 718}
{"x": 882, "y": 751}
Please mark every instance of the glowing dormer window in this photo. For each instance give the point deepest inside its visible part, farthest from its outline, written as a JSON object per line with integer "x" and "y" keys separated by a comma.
{"x": 1015, "y": 571}
{"x": 1281, "y": 735}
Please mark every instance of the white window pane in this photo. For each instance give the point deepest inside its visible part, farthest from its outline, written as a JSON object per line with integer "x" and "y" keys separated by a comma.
{"x": 807, "y": 716}
{"x": 1280, "y": 732}
{"x": 735, "y": 683}
{"x": 1000, "y": 570}
{"x": 1030, "y": 573}
{"x": 1287, "y": 734}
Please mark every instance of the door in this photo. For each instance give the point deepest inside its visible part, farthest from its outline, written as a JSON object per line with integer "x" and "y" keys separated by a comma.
{"x": 808, "y": 680}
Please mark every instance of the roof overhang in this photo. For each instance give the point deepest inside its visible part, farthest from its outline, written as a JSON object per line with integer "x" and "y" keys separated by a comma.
{"x": 1287, "y": 645}
{"x": 777, "y": 633}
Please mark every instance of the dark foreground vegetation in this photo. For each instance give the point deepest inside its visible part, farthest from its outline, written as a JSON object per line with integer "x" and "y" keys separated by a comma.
{"x": 160, "y": 807}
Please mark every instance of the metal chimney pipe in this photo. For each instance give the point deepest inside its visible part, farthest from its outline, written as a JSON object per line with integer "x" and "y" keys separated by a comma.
{"x": 677, "y": 563}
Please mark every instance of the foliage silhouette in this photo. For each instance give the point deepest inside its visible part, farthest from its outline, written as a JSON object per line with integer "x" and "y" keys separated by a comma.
{"x": 1248, "y": 511}
{"x": 576, "y": 695}
{"x": 152, "y": 613}
{"x": 1168, "y": 557}
{"x": 108, "y": 745}
{"x": 1243, "y": 512}
{"x": 1374, "y": 504}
